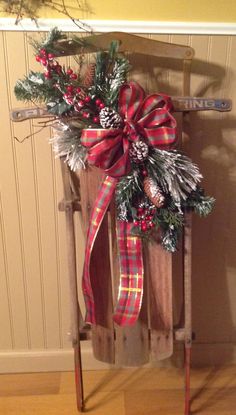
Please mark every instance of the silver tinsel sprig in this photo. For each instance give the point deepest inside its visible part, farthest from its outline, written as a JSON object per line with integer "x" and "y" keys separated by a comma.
{"x": 170, "y": 241}
{"x": 66, "y": 143}
{"x": 175, "y": 172}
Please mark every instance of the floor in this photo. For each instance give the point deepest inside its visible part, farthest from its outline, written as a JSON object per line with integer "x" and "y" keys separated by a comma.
{"x": 120, "y": 392}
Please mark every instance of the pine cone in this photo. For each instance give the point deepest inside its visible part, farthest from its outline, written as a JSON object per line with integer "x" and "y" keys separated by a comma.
{"x": 138, "y": 151}
{"x": 89, "y": 75}
{"x": 110, "y": 118}
{"x": 153, "y": 192}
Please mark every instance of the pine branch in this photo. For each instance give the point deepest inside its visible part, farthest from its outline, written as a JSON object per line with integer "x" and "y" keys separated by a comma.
{"x": 128, "y": 189}
{"x": 110, "y": 73}
{"x": 174, "y": 172}
{"x": 35, "y": 87}
{"x": 66, "y": 143}
{"x": 200, "y": 203}
{"x": 30, "y": 8}
{"x": 48, "y": 42}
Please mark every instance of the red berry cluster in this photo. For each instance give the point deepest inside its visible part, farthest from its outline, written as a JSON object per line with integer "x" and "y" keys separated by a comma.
{"x": 47, "y": 60}
{"x": 71, "y": 93}
{"x": 84, "y": 104}
{"x": 145, "y": 218}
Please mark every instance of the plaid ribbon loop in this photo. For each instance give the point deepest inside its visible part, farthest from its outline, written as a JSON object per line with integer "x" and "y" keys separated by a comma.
{"x": 108, "y": 149}
{"x": 148, "y": 118}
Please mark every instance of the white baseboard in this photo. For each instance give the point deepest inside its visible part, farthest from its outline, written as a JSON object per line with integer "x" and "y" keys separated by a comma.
{"x": 62, "y": 359}
{"x": 53, "y": 360}
{"x": 129, "y": 26}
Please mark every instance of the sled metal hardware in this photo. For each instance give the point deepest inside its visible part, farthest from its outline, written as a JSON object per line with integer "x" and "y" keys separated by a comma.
{"x": 180, "y": 104}
{"x": 201, "y": 104}
{"x": 22, "y": 114}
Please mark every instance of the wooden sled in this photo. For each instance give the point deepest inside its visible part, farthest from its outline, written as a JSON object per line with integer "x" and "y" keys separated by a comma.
{"x": 154, "y": 333}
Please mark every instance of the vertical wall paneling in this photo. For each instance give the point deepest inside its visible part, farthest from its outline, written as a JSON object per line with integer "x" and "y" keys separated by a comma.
{"x": 6, "y": 340}
{"x": 12, "y": 208}
{"x": 34, "y": 295}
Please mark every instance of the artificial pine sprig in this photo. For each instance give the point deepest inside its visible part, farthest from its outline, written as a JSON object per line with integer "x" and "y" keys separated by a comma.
{"x": 175, "y": 172}
{"x": 66, "y": 143}
{"x": 133, "y": 203}
{"x": 128, "y": 189}
{"x": 199, "y": 202}
{"x": 110, "y": 73}
{"x": 49, "y": 42}
{"x": 35, "y": 87}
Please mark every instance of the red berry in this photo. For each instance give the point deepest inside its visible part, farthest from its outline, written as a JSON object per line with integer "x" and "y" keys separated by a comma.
{"x": 80, "y": 103}
{"x": 136, "y": 223}
{"x": 101, "y": 106}
{"x": 85, "y": 115}
{"x": 140, "y": 210}
{"x": 73, "y": 76}
{"x": 151, "y": 225}
{"x": 51, "y": 56}
{"x": 47, "y": 74}
{"x": 66, "y": 96}
{"x": 78, "y": 90}
{"x": 144, "y": 227}
{"x": 43, "y": 52}
{"x": 144, "y": 173}
{"x": 44, "y": 61}
{"x": 149, "y": 217}
{"x": 98, "y": 102}
{"x": 87, "y": 99}
{"x": 70, "y": 89}
{"x": 70, "y": 101}
{"x": 38, "y": 59}
{"x": 96, "y": 120}
{"x": 69, "y": 71}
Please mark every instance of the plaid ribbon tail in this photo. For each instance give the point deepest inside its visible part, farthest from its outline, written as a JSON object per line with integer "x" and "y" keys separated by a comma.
{"x": 131, "y": 276}
{"x": 101, "y": 204}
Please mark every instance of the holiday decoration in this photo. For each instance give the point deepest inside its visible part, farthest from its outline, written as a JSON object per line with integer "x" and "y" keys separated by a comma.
{"x": 102, "y": 120}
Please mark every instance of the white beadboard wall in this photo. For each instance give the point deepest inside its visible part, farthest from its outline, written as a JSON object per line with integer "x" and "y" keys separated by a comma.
{"x": 34, "y": 295}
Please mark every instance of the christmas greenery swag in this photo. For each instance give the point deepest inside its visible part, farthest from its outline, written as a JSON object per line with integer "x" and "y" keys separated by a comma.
{"x": 103, "y": 120}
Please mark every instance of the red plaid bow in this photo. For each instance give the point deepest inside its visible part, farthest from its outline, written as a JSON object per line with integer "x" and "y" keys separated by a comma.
{"x": 146, "y": 118}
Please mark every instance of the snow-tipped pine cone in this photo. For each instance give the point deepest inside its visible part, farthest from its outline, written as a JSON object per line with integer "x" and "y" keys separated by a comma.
{"x": 153, "y": 192}
{"x": 109, "y": 118}
{"x": 138, "y": 151}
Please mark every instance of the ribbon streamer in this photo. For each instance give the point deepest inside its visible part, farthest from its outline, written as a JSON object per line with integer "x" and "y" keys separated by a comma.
{"x": 102, "y": 202}
{"x": 148, "y": 119}
{"x": 131, "y": 276}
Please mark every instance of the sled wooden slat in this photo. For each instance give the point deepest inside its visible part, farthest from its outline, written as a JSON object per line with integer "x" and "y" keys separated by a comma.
{"x": 103, "y": 331}
{"x": 127, "y": 43}
{"x": 158, "y": 271}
